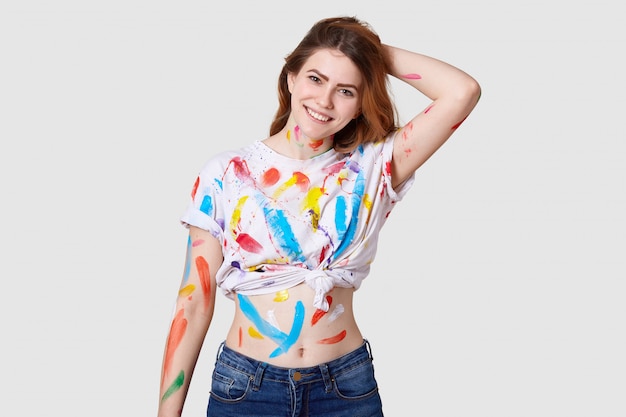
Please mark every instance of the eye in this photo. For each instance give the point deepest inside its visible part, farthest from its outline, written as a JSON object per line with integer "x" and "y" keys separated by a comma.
{"x": 346, "y": 92}
{"x": 314, "y": 78}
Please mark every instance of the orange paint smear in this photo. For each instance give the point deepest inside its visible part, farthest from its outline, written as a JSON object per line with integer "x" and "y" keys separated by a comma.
{"x": 319, "y": 313}
{"x": 337, "y": 338}
{"x": 177, "y": 331}
{"x": 270, "y": 177}
{"x": 205, "y": 278}
{"x": 195, "y": 187}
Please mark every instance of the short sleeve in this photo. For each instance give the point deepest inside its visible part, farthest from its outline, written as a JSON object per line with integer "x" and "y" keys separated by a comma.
{"x": 204, "y": 209}
{"x": 401, "y": 190}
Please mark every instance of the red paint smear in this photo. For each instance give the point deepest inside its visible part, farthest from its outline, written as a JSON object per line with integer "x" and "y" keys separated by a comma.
{"x": 197, "y": 242}
{"x": 458, "y": 124}
{"x": 270, "y": 177}
{"x": 302, "y": 181}
{"x": 323, "y": 253}
{"x": 316, "y": 144}
{"x": 334, "y": 168}
{"x": 428, "y": 108}
{"x": 177, "y": 331}
{"x": 241, "y": 168}
{"x": 319, "y": 313}
{"x": 412, "y": 76}
{"x": 240, "y": 336}
{"x": 205, "y": 278}
{"x": 195, "y": 188}
{"x": 248, "y": 243}
{"x": 337, "y": 338}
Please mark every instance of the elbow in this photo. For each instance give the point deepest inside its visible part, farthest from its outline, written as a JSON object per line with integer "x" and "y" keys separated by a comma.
{"x": 471, "y": 92}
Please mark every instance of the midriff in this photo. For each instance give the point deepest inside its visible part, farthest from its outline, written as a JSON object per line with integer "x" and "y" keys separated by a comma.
{"x": 284, "y": 329}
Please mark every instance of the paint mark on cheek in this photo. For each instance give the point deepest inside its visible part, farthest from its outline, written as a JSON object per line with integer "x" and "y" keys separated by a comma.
{"x": 334, "y": 339}
{"x": 176, "y": 385}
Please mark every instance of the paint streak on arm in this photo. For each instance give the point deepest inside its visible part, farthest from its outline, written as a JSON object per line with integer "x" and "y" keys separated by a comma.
{"x": 177, "y": 331}
{"x": 176, "y": 385}
{"x": 205, "y": 279}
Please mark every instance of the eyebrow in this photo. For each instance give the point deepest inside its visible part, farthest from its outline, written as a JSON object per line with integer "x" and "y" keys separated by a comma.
{"x": 321, "y": 75}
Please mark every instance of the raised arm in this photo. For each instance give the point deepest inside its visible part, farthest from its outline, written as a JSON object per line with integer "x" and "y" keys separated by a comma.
{"x": 193, "y": 314}
{"x": 454, "y": 95}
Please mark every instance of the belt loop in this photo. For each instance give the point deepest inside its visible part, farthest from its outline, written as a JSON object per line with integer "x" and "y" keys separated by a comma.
{"x": 219, "y": 350}
{"x": 328, "y": 381}
{"x": 258, "y": 376}
{"x": 369, "y": 349}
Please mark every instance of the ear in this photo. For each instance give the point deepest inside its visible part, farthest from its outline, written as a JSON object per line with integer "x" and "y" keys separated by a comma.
{"x": 357, "y": 114}
{"x": 290, "y": 81}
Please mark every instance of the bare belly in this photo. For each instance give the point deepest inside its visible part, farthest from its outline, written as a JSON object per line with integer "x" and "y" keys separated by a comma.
{"x": 284, "y": 329}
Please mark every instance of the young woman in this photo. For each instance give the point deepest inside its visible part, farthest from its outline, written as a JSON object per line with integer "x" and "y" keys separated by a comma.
{"x": 287, "y": 227}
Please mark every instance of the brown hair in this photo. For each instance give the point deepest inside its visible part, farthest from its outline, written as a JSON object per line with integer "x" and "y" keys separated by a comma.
{"x": 358, "y": 41}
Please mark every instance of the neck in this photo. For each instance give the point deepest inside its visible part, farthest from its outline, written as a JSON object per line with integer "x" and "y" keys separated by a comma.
{"x": 293, "y": 143}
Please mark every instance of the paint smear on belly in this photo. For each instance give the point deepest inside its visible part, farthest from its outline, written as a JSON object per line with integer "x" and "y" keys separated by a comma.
{"x": 336, "y": 338}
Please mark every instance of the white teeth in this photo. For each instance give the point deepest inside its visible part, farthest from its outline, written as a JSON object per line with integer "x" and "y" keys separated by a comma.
{"x": 317, "y": 116}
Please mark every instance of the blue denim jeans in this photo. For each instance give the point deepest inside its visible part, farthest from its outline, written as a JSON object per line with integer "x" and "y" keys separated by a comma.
{"x": 344, "y": 387}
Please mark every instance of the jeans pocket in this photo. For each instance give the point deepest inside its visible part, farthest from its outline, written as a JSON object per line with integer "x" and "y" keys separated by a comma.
{"x": 357, "y": 382}
{"x": 229, "y": 384}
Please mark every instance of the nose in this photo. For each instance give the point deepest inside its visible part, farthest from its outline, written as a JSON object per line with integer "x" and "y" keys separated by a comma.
{"x": 325, "y": 99}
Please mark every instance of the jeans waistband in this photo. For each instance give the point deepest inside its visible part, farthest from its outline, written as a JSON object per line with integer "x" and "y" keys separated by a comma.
{"x": 259, "y": 370}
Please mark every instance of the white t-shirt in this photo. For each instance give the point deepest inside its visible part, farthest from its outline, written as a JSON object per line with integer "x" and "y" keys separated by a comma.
{"x": 284, "y": 221}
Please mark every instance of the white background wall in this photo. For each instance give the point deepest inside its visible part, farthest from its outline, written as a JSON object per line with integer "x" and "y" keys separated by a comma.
{"x": 500, "y": 282}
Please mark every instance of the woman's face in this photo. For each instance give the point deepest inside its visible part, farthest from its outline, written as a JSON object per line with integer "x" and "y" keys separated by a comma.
{"x": 325, "y": 94}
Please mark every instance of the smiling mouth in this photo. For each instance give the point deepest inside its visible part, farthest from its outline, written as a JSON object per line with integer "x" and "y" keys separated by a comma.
{"x": 317, "y": 116}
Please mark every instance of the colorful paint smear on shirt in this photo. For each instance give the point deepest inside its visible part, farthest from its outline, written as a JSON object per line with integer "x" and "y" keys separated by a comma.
{"x": 270, "y": 177}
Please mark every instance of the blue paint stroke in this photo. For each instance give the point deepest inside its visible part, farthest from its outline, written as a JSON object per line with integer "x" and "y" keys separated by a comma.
{"x": 284, "y": 340}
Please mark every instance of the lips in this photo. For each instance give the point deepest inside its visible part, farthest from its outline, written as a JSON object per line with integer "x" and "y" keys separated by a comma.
{"x": 317, "y": 116}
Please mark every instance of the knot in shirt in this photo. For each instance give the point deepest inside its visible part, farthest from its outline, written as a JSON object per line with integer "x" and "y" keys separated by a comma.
{"x": 322, "y": 284}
